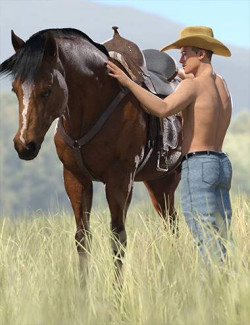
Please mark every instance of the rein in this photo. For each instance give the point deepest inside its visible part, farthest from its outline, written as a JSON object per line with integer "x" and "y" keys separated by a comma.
{"x": 77, "y": 144}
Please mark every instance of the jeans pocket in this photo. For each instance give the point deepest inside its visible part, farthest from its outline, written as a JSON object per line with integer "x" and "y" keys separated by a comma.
{"x": 227, "y": 171}
{"x": 211, "y": 172}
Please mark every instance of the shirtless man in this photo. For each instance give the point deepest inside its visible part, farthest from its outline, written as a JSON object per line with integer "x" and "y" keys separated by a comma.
{"x": 205, "y": 104}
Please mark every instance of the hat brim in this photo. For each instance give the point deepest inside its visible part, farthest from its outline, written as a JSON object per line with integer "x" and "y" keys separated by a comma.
{"x": 203, "y": 42}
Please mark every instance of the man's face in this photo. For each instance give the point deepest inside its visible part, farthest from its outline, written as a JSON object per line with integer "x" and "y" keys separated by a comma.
{"x": 189, "y": 59}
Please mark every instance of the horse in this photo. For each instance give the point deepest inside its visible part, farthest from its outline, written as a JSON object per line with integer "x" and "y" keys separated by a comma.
{"x": 61, "y": 73}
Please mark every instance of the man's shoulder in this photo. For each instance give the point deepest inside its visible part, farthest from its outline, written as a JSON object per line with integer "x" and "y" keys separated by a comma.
{"x": 186, "y": 90}
{"x": 188, "y": 82}
{"x": 188, "y": 85}
{"x": 222, "y": 85}
{"x": 220, "y": 80}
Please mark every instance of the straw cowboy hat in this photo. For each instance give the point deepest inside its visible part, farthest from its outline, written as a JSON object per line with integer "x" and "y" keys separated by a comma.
{"x": 199, "y": 36}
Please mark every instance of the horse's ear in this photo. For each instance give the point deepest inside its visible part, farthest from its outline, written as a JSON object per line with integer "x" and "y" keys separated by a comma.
{"x": 51, "y": 49}
{"x": 17, "y": 42}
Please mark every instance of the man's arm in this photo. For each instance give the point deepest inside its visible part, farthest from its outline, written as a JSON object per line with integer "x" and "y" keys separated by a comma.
{"x": 182, "y": 97}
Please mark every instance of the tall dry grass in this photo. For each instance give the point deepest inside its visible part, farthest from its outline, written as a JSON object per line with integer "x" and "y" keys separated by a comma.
{"x": 164, "y": 281}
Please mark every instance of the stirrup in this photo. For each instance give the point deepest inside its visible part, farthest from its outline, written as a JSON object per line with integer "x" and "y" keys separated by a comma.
{"x": 158, "y": 166}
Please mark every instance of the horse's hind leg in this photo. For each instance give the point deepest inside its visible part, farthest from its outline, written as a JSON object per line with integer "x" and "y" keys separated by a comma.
{"x": 119, "y": 194}
{"x": 161, "y": 192}
{"x": 81, "y": 200}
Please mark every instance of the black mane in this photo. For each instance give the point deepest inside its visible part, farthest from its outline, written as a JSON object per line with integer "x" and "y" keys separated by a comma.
{"x": 25, "y": 62}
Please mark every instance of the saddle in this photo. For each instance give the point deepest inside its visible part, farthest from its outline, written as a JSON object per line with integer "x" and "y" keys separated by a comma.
{"x": 162, "y": 70}
{"x": 131, "y": 58}
{"x": 155, "y": 71}
{"x": 150, "y": 68}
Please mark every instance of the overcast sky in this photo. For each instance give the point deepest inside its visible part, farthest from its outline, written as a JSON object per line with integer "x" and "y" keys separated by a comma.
{"x": 230, "y": 19}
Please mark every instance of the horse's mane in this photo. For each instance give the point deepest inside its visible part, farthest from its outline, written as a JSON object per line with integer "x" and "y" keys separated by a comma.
{"x": 26, "y": 61}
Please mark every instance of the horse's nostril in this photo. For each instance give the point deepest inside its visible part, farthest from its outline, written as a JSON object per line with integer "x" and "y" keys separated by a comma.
{"x": 31, "y": 147}
{"x": 28, "y": 151}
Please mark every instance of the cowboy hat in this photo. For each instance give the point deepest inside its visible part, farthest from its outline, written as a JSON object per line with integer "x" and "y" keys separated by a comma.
{"x": 199, "y": 36}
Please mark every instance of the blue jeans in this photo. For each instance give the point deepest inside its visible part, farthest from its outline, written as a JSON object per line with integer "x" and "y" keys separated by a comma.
{"x": 206, "y": 181}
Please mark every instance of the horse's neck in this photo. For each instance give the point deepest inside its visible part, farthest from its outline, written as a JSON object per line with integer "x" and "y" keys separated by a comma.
{"x": 90, "y": 88}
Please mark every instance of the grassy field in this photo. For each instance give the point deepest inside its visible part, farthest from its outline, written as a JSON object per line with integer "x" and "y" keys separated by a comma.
{"x": 164, "y": 283}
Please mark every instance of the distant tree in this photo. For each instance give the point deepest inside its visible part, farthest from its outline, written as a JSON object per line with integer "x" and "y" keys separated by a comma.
{"x": 241, "y": 123}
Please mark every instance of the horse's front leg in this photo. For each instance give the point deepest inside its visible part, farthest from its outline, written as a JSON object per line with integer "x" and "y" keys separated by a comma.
{"x": 119, "y": 194}
{"x": 81, "y": 200}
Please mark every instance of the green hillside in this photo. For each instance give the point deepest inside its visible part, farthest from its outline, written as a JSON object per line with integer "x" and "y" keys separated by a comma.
{"x": 38, "y": 184}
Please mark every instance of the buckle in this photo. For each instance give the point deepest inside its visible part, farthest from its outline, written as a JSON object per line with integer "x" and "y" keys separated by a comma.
{"x": 76, "y": 145}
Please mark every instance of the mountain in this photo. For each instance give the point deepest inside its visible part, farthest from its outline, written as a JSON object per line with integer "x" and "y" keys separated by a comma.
{"x": 96, "y": 20}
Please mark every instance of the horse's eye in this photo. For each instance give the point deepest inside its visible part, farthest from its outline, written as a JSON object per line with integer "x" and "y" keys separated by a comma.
{"x": 46, "y": 93}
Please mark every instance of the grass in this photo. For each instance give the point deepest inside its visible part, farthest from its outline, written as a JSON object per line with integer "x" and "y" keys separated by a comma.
{"x": 164, "y": 283}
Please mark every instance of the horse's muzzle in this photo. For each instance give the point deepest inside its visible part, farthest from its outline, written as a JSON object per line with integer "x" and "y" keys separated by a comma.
{"x": 28, "y": 151}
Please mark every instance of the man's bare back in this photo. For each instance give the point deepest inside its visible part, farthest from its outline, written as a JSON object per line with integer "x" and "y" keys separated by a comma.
{"x": 206, "y": 119}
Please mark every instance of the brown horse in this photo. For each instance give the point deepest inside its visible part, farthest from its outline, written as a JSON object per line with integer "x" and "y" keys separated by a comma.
{"x": 62, "y": 73}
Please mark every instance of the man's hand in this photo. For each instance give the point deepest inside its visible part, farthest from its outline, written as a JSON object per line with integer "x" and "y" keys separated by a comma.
{"x": 181, "y": 74}
{"x": 117, "y": 73}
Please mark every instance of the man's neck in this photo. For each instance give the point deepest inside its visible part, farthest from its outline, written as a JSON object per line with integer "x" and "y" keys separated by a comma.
{"x": 204, "y": 69}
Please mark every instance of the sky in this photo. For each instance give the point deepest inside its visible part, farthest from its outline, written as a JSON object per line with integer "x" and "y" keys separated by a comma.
{"x": 230, "y": 19}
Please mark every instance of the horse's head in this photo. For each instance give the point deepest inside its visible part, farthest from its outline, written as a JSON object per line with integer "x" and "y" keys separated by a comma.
{"x": 40, "y": 88}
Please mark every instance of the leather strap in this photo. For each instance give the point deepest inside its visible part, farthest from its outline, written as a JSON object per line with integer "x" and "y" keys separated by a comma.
{"x": 77, "y": 144}
{"x": 144, "y": 161}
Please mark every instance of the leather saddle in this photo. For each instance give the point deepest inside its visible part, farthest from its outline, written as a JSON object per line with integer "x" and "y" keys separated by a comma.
{"x": 162, "y": 70}
{"x": 155, "y": 71}
{"x": 150, "y": 68}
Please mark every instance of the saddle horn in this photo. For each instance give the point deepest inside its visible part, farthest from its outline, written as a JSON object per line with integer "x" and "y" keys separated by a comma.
{"x": 115, "y": 28}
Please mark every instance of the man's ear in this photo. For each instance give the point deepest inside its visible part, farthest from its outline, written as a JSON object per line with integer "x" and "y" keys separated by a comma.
{"x": 17, "y": 42}
{"x": 202, "y": 54}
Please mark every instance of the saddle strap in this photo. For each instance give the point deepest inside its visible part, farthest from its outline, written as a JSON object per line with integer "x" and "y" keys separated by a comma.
{"x": 77, "y": 144}
{"x": 144, "y": 161}
{"x": 78, "y": 157}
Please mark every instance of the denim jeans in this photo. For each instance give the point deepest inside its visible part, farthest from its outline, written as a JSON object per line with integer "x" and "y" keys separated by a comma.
{"x": 206, "y": 181}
